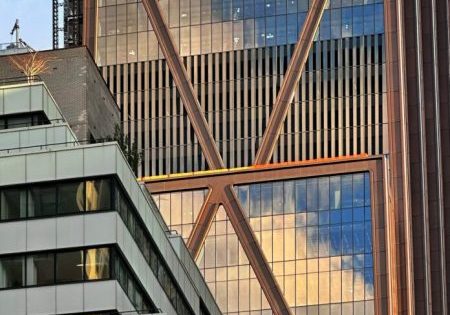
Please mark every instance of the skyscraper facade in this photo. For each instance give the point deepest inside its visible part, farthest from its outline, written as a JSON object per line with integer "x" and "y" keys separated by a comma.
{"x": 309, "y": 204}
{"x": 236, "y": 54}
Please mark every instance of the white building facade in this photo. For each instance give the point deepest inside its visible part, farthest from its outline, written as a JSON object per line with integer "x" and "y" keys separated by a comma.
{"x": 78, "y": 235}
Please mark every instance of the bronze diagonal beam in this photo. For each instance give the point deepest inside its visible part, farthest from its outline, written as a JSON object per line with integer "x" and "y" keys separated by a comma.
{"x": 203, "y": 222}
{"x": 256, "y": 257}
{"x": 183, "y": 84}
{"x": 290, "y": 82}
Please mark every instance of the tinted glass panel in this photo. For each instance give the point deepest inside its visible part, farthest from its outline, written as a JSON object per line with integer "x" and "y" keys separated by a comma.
{"x": 42, "y": 201}
{"x": 97, "y": 264}
{"x": 40, "y": 269}
{"x": 12, "y": 272}
{"x": 98, "y": 195}
{"x": 71, "y": 197}
{"x": 13, "y": 204}
{"x": 69, "y": 266}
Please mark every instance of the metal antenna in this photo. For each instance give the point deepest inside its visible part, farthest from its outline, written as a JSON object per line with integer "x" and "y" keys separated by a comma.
{"x": 16, "y": 29}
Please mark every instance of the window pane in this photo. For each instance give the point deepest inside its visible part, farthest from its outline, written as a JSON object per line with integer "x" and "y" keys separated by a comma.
{"x": 12, "y": 272}
{"x": 379, "y": 18}
{"x": 281, "y": 29}
{"x": 260, "y": 32}
{"x": 142, "y": 46}
{"x": 111, "y": 20}
{"x": 13, "y": 204}
{"x": 237, "y": 10}
{"x": 270, "y": 31}
{"x": 300, "y": 196}
{"x": 325, "y": 25}
{"x": 369, "y": 24}
{"x": 249, "y": 9}
{"x": 206, "y": 38}
{"x": 185, "y": 41}
{"x": 132, "y": 47}
{"x": 195, "y": 40}
{"x": 71, "y": 197}
{"x": 40, "y": 269}
{"x": 266, "y": 199}
{"x": 336, "y": 23}
{"x": 249, "y": 33}
{"x": 97, "y": 263}
{"x": 270, "y": 7}
{"x": 292, "y": 6}
{"x": 121, "y": 19}
{"x": 42, "y": 201}
{"x": 69, "y": 266}
{"x": 98, "y": 195}
{"x": 347, "y": 191}
{"x": 132, "y": 18}
{"x": 142, "y": 19}
{"x": 216, "y": 10}
{"x": 238, "y": 35}
{"x": 195, "y": 12}
{"x": 111, "y": 49}
{"x": 324, "y": 192}
{"x": 289, "y": 197}
{"x": 278, "y": 198}
{"x": 312, "y": 194}
{"x": 226, "y": 10}
{"x": 101, "y": 22}
{"x": 292, "y": 31}
{"x": 358, "y": 21}
{"x": 174, "y": 13}
{"x": 255, "y": 201}
{"x": 347, "y": 22}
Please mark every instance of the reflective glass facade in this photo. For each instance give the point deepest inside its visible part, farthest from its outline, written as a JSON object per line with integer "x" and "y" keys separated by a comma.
{"x": 316, "y": 234}
{"x": 237, "y": 84}
{"x": 208, "y": 26}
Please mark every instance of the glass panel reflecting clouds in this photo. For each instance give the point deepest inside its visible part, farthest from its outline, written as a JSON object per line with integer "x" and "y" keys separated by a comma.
{"x": 316, "y": 234}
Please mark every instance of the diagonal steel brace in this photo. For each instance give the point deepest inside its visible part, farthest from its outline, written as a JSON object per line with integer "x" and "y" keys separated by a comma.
{"x": 290, "y": 82}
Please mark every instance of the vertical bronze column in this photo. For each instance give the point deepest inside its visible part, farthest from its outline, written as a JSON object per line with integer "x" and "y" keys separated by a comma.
{"x": 89, "y": 35}
{"x": 398, "y": 206}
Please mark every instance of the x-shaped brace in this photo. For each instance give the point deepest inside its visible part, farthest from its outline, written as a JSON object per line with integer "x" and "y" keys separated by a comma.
{"x": 226, "y": 195}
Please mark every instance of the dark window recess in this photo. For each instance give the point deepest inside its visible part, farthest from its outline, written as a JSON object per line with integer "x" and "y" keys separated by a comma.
{"x": 42, "y": 201}
{"x": 13, "y": 204}
{"x": 69, "y": 266}
{"x": 49, "y": 268}
{"x": 49, "y": 199}
{"x": 71, "y": 197}
{"x": 12, "y": 272}
{"x": 23, "y": 120}
{"x": 40, "y": 269}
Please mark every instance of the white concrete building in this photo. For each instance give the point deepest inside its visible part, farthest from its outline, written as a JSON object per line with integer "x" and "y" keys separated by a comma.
{"x": 78, "y": 235}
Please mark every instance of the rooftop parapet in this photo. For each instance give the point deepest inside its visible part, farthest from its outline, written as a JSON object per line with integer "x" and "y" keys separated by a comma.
{"x": 21, "y": 97}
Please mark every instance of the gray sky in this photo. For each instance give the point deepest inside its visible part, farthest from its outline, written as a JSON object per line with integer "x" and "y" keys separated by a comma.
{"x": 35, "y": 19}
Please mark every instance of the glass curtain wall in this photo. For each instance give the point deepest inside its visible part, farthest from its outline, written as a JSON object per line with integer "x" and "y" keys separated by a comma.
{"x": 208, "y": 26}
{"x": 316, "y": 234}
